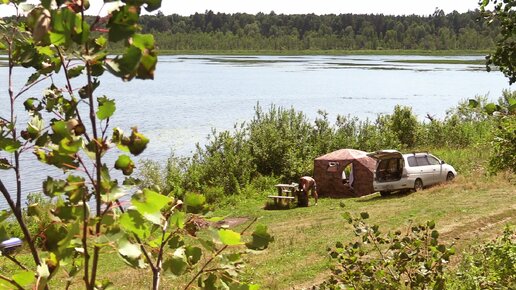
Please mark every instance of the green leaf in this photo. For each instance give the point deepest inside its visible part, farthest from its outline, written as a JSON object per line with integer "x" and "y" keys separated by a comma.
{"x": 435, "y": 234}
{"x": 9, "y": 145}
{"x": 193, "y": 254}
{"x": 473, "y": 103}
{"x": 130, "y": 254}
{"x": 129, "y": 250}
{"x": 60, "y": 130}
{"x": 46, "y": 3}
{"x": 4, "y": 214}
{"x": 133, "y": 222}
{"x": 4, "y": 235}
{"x": 35, "y": 127}
{"x": 194, "y": 202}
{"x": 149, "y": 205}
{"x": 229, "y": 237}
{"x": 125, "y": 164}
{"x": 431, "y": 224}
{"x": 178, "y": 219}
{"x": 143, "y": 41}
{"x": 232, "y": 257}
{"x": 147, "y": 67}
{"x": 70, "y": 211}
{"x": 175, "y": 265}
{"x": 59, "y": 160}
{"x": 73, "y": 232}
{"x": 152, "y": 5}
{"x": 176, "y": 242}
{"x": 75, "y": 71}
{"x": 125, "y": 66}
{"x": 34, "y": 210}
{"x": 364, "y": 215}
{"x": 53, "y": 187}
{"x": 122, "y": 23}
{"x": 490, "y": 108}
{"x": 261, "y": 238}
{"x": 70, "y": 145}
{"x": 208, "y": 245}
{"x": 33, "y": 77}
{"x": 4, "y": 285}
{"x": 512, "y": 108}
{"x": 106, "y": 108}
{"x": 24, "y": 278}
{"x": 75, "y": 188}
{"x": 4, "y": 164}
{"x": 137, "y": 142}
{"x": 209, "y": 283}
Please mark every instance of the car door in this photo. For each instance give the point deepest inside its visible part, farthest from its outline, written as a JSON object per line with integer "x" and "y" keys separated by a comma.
{"x": 426, "y": 171}
{"x": 437, "y": 168}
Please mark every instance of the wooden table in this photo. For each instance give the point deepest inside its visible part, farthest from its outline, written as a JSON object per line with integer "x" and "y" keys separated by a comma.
{"x": 286, "y": 192}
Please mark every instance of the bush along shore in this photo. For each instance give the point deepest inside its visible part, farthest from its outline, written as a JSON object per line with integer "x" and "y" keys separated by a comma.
{"x": 280, "y": 144}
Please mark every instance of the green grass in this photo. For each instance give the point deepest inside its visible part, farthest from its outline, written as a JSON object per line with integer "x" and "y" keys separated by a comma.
{"x": 473, "y": 208}
{"x": 298, "y": 256}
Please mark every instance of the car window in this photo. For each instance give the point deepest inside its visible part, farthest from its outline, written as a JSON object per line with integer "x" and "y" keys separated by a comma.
{"x": 422, "y": 161}
{"x": 432, "y": 160}
{"x": 412, "y": 161}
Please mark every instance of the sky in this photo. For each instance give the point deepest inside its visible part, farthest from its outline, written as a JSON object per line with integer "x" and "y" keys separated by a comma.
{"x": 388, "y": 7}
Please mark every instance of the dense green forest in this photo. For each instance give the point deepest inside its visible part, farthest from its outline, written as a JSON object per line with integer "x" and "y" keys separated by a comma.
{"x": 241, "y": 31}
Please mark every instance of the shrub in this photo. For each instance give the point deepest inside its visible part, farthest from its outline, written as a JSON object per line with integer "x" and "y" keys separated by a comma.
{"x": 489, "y": 266}
{"x": 414, "y": 259}
{"x": 170, "y": 178}
{"x": 280, "y": 142}
{"x": 403, "y": 123}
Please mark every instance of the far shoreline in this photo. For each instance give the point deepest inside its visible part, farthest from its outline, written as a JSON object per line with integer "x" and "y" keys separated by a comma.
{"x": 328, "y": 52}
{"x": 3, "y": 54}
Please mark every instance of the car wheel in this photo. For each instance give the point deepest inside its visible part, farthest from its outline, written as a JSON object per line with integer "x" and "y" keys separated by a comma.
{"x": 450, "y": 176}
{"x": 385, "y": 193}
{"x": 418, "y": 185}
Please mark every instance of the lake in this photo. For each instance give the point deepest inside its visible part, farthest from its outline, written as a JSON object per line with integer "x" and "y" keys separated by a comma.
{"x": 193, "y": 94}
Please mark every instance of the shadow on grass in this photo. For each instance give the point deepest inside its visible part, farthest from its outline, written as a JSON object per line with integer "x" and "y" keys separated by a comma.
{"x": 376, "y": 196}
{"x": 270, "y": 205}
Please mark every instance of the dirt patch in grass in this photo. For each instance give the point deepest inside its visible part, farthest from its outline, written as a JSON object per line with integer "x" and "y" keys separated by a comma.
{"x": 469, "y": 233}
{"x": 230, "y": 222}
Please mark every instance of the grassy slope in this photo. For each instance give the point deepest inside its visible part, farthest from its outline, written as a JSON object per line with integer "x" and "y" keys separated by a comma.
{"x": 471, "y": 209}
{"x": 468, "y": 210}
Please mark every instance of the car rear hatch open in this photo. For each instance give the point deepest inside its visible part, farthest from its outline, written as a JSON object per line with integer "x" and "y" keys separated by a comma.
{"x": 389, "y": 165}
{"x": 385, "y": 154}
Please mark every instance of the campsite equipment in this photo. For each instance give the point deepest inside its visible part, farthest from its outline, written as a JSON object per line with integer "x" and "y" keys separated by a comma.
{"x": 344, "y": 173}
{"x": 286, "y": 192}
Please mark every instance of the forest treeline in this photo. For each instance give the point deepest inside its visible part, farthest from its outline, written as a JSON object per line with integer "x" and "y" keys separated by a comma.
{"x": 241, "y": 31}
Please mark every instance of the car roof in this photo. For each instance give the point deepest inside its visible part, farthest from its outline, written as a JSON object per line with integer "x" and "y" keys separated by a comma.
{"x": 416, "y": 154}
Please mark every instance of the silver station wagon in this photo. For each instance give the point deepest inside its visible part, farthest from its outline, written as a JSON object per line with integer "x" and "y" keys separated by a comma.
{"x": 396, "y": 171}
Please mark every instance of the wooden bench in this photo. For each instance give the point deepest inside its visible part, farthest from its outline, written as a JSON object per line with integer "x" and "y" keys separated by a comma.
{"x": 286, "y": 192}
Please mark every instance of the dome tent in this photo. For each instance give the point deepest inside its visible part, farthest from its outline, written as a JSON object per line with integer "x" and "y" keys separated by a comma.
{"x": 344, "y": 173}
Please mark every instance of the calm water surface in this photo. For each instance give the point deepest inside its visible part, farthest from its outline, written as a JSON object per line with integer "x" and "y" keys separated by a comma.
{"x": 193, "y": 94}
